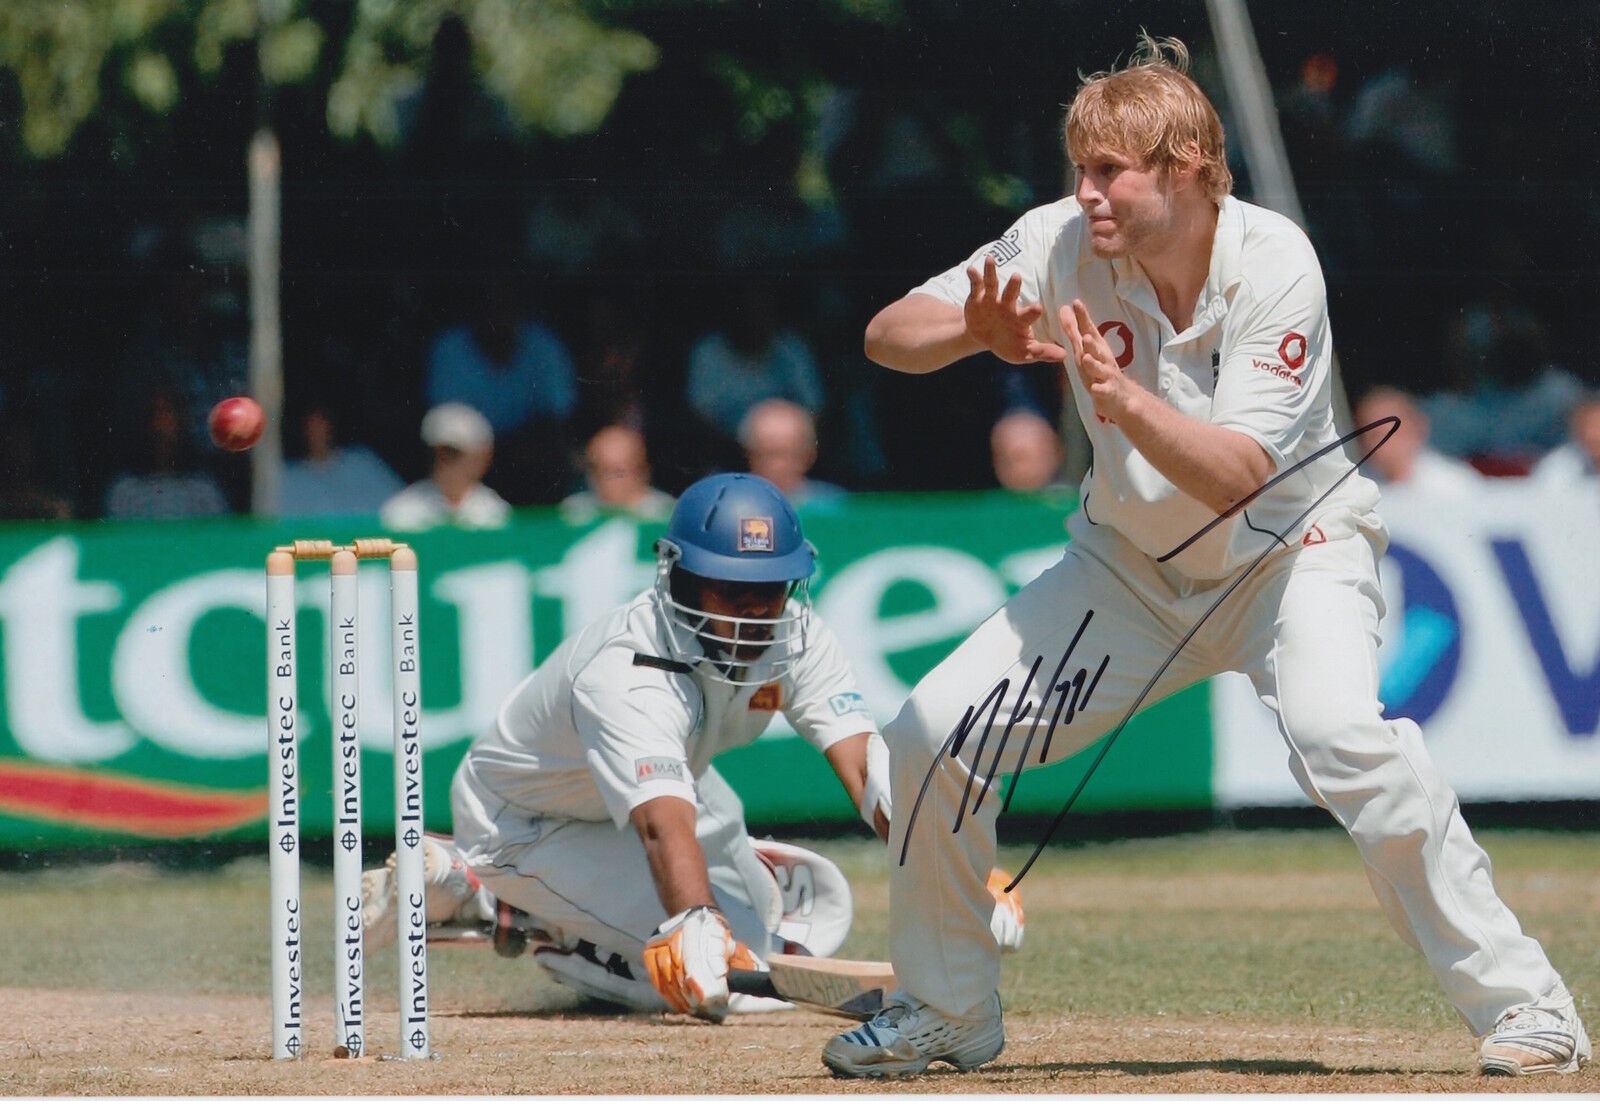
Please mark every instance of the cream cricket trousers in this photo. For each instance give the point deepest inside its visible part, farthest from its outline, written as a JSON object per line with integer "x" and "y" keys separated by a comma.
{"x": 1304, "y": 627}
{"x": 591, "y": 881}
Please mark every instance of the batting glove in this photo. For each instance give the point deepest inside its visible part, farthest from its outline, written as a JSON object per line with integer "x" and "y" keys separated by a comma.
{"x": 688, "y": 957}
{"x": 1006, "y": 923}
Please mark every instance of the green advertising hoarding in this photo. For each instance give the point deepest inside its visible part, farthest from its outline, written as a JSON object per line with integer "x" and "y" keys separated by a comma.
{"x": 132, "y": 661}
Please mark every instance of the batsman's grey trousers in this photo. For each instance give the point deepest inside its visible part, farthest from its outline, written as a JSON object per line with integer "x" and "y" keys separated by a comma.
{"x": 1304, "y": 628}
{"x": 591, "y": 881}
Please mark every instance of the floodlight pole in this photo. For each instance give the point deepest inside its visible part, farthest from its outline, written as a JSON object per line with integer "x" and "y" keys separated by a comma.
{"x": 1245, "y": 76}
{"x": 264, "y": 166}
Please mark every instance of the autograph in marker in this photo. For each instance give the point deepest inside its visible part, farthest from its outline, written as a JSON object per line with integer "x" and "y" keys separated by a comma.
{"x": 1073, "y": 691}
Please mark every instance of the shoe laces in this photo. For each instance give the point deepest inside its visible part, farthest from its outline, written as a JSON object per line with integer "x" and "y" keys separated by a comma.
{"x": 899, "y": 1006}
{"x": 1526, "y": 1018}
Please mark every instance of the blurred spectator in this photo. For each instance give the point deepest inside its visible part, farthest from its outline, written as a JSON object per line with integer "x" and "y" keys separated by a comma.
{"x": 164, "y": 480}
{"x": 617, "y": 471}
{"x": 1510, "y": 400}
{"x": 611, "y": 373}
{"x": 1501, "y": 422}
{"x": 517, "y": 373}
{"x": 1036, "y": 387}
{"x": 1579, "y": 458}
{"x": 1338, "y": 215}
{"x": 508, "y": 367}
{"x": 1406, "y": 458}
{"x": 1027, "y": 452}
{"x": 1411, "y": 111}
{"x": 22, "y": 496}
{"x": 463, "y": 449}
{"x": 752, "y": 360}
{"x": 195, "y": 343}
{"x": 333, "y": 479}
{"x": 1311, "y": 118}
{"x": 780, "y": 444}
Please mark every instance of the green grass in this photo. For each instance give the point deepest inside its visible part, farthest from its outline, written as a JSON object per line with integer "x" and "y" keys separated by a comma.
{"x": 1248, "y": 926}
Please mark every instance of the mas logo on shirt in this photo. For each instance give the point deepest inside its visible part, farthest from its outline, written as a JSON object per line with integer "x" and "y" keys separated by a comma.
{"x": 1004, "y": 250}
{"x": 755, "y": 534}
{"x": 646, "y": 769}
{"x": 769, "y": 697}
{"x": 847, "y": 703}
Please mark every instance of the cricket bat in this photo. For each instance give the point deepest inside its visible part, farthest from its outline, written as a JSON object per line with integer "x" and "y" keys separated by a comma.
{"x": 849, "y": 988}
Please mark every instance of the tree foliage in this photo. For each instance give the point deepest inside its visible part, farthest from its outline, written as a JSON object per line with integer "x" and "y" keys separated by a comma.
{"x": 556, "y": 68}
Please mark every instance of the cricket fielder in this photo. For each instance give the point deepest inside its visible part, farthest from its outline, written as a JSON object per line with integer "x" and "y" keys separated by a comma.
{"x": 1194, "y": 332}
{"x": 591, "y": 805}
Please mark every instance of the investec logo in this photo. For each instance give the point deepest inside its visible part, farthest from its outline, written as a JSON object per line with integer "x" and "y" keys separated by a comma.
{"x": 284, "y": 743}
{"x": 291, "y": 943}
{"x": 288, "y": 779}
{"x": 347, "y": 765}
{"x": 347, "y": 805}
{"x": 352, "y": 1005}
{"x": 414, "y": 1007}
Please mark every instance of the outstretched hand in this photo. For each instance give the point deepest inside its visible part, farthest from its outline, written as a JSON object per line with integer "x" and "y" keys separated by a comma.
{"x": 1109, "y": 389}
{"x": 997, "y": 320}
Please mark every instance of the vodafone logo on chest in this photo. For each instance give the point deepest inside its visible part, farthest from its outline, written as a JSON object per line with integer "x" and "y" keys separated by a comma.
{"x": 1120, "y": 337}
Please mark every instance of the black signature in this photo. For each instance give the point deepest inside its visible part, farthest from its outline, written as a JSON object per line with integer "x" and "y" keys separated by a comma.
{"x": 1076, "y": 690}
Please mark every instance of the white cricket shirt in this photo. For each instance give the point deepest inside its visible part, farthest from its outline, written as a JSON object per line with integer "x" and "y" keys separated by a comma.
{"x": 601, "y": 726}
{"x": 1256, "y": 359}
{"x": 423, "y": 505}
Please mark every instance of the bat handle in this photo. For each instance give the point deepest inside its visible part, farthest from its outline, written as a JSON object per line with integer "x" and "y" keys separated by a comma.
{"x": 757, "y": 983}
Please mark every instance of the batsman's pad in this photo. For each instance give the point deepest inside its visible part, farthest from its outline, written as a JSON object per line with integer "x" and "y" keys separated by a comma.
{"x": 817, "y": 905}
{"x": 599, "y": 974}
{"x": 688, "y": 957}
{"x": 1006, "y": 923}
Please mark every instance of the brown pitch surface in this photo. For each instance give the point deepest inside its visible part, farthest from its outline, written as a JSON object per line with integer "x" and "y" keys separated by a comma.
{"x": 1222, "y": 962}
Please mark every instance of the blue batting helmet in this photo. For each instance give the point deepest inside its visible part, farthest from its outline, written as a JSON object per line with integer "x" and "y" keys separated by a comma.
{"x": 736, "y": 529}
{"x": 739, "y": 527}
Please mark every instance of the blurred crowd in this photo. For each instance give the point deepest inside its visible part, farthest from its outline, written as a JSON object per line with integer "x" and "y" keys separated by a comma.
{"x": 457, "y": 348}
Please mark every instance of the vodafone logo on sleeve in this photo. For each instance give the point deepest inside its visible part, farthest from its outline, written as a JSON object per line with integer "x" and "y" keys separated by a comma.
{"x": 1292, "y": 350}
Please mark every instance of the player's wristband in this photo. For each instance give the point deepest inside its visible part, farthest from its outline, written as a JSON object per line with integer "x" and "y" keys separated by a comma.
{"x": 682, "y": 916}
{"x": 875, "y": 791}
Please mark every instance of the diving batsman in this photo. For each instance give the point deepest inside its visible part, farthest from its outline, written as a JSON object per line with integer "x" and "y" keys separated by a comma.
{"x": 589, "y": 817}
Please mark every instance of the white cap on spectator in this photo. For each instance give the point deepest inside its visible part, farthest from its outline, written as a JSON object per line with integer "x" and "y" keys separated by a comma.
{"x": 458, "y": 425}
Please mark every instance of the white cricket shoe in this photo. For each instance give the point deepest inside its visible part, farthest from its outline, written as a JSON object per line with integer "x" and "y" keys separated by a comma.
{"x": 453, "y": 893}
{"x": 907, "y": 1035}
{"x": 1543, "y": 1038}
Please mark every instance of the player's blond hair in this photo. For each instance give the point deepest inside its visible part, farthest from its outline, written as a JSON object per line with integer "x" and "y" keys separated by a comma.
{"x": 1153, "y": 110}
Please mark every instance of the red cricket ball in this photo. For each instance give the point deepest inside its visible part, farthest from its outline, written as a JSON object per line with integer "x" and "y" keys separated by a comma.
{"x": 236, "y": 423}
